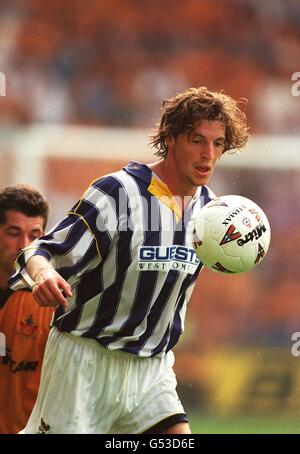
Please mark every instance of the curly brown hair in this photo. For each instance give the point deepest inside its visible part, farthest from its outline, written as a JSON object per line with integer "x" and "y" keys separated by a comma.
{"x": 183, "y": 112}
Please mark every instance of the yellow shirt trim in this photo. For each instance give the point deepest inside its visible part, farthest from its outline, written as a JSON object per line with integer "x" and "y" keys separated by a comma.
{"x": 89, "y": 229}
{"x": 160, "y": 190}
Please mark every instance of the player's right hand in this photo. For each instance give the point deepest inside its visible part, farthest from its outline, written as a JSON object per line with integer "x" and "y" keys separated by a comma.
{"x": 50, "y": 289}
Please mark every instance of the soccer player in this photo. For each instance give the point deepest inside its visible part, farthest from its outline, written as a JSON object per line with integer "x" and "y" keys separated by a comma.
{"x": 25, "y": 325}
{"x": 120, "y": 269}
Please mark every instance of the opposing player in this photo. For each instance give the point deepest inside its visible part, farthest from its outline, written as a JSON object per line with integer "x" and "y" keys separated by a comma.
{"x": 121, "y": 268}
{"x": 23, "y": 217}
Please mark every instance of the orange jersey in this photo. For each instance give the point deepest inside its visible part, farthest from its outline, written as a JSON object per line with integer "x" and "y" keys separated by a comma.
{"x": 26, "y": 326}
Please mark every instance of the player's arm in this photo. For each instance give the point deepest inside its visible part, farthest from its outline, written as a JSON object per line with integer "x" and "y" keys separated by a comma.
{"x": 72, "y": 248}
{"x": 49, "y": 287}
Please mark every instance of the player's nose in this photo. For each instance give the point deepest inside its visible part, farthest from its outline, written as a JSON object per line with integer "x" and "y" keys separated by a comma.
{"x": 208, "y": 151}
{"x": 24, "y": 242}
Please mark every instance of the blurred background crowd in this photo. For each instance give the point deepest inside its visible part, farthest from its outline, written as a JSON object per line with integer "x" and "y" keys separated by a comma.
{"x": 110, "y": 63}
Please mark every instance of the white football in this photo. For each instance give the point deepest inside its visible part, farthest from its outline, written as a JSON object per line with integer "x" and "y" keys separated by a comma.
{"x": 231, "y": 234}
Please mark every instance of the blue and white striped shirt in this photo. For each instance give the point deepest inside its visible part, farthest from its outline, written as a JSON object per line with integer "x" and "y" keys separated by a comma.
{"x": 127, "y": 253}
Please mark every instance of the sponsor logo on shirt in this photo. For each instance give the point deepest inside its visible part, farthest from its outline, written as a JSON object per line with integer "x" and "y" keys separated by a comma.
{"x": 21, "y": 366}
{"x": 166, "y": 258}
{"x": 28, "y": 327}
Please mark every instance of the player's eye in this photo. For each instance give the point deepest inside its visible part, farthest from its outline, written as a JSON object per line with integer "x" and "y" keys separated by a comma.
{"x": 12, "y": 234}
{"x": 198, "y": 140}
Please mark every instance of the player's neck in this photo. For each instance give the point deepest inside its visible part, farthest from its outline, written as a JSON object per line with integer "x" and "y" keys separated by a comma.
{"x": 169, "y": 176}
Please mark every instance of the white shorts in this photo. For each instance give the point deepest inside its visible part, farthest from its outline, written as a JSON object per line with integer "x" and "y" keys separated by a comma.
{"x": 88, "y": 389}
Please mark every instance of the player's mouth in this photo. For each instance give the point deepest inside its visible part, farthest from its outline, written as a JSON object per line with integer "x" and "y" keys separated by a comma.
{"x": 203, "y": 170}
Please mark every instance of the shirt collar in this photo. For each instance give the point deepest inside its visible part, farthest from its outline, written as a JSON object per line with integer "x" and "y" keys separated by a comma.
{"x": 144, "y": 172}
{"x": 158, "y": 188}
{"x": 139, "y": 170}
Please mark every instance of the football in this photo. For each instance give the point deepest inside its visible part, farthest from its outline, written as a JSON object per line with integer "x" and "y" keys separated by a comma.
{"x": 231, "y": 234}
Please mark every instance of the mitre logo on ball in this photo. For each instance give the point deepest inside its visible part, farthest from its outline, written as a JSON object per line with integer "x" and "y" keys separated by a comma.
{"x": 231, "y": 234}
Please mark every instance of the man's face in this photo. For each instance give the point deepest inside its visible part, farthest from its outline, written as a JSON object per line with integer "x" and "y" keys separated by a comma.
{"x": 17, "y": 232}
{"x": 195, "y": 154}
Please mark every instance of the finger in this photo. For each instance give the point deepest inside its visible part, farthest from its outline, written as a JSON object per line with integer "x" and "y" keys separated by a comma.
{"x": 48, "y": 293}
{"x": 60, "y": 291}
{"x": 43, "y": 296}
{"x": 57, "y": 296}
{"x": 65, "y": 288}
{"x": 44, "y": 301}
